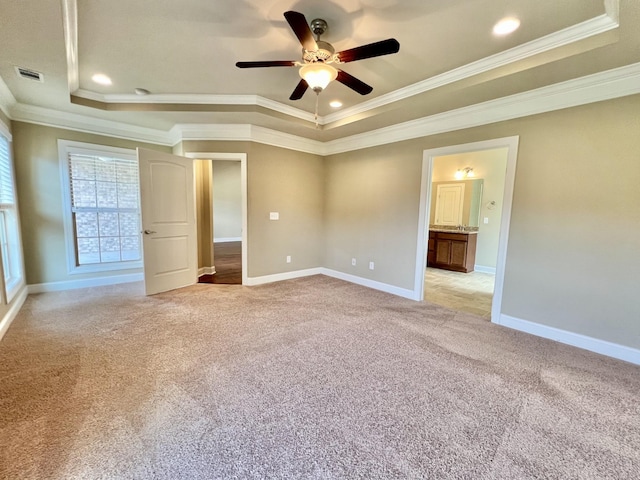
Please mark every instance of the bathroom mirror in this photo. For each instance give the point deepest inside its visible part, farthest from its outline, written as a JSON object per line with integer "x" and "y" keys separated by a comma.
{"x": 464, "y": 196}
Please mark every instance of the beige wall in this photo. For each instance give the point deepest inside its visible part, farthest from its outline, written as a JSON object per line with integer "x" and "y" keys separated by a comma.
{"x": 371, "y": 212}
{"x": 284, "y": 181}
{"x": 40, "y": 198}
{"x": 204, "y": 212}
{"x": 227, "y": 200}
{"x": 573, "y": 256}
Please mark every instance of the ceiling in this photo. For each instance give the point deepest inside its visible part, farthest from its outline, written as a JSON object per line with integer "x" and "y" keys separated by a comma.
{"x": 184, "y": 53}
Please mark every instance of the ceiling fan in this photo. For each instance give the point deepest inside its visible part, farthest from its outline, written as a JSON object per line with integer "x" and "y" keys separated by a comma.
{"x": 318, "y": 57}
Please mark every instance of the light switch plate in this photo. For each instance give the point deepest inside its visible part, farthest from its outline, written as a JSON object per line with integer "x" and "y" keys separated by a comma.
{"x": 486, "y": 220}
{"x": 274, "y": 216}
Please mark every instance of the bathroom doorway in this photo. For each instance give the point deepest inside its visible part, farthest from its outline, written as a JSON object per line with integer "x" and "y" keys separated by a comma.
{"x": 488, "y": 169}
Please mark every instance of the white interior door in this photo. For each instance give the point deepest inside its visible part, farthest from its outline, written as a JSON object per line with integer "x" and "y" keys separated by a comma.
{"x": 449, "y": 203}
{"x": 167, "y": 203}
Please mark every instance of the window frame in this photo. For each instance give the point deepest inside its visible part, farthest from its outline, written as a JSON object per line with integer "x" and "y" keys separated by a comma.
{"x": 15, "y": 260}
{"x": 66, "y": 148}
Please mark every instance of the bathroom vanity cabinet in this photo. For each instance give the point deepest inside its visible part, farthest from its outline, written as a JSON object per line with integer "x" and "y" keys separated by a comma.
{"x": 452, "y": 250}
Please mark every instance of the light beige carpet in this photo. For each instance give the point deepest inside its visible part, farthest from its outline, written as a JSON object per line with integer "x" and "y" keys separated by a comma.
{"x": 310, "y": 378}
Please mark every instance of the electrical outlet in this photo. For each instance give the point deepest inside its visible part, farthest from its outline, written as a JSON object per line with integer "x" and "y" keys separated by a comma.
{"x": 353, "y": 262}
{"x": 288, "y": 258}
{"x": 274, "y": 216}
{"x": 371, "y": 265}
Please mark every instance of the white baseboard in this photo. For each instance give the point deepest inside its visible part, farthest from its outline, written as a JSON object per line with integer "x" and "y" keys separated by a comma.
{"x": 365, "y": 282}
{"x": 84, "y": 283}
{"x": 602, "y": 347}
{"x": 11, "y": 314}
{"x": 227, "y": 239}
{"x": 278, "y": 277}
{"x": 483, "y": 269}
{"x": 206, "y": 271}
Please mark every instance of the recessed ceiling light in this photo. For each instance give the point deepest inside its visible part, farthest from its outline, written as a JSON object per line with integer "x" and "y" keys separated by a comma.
{"x": 335, "y": 104}
{"x": 506, "y": 26}
{"x": 141, "y": 91}
{"x": 101, "y": 78}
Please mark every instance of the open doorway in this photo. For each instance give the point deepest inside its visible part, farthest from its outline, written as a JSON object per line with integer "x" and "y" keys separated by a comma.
{"x": 468, "y": 250}
{"x": 467, "y": 189}
{"x": 221, "y": 199}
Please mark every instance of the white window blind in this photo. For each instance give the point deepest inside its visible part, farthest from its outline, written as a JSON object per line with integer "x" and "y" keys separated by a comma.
{"x": 10, "y": 249}
{"x": 104, "y": 196}
{"x": 7, "y": 195}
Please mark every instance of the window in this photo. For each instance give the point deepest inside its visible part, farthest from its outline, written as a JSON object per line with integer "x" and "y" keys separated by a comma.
{"x": 102, "y": 203}
{"x": 10, "y": 247}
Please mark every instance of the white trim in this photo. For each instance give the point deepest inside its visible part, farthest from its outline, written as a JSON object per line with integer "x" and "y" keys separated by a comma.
{"x": 85, "y": 283}
{"x": 607, "y": 85}
{"x": 227, "y": 239}
{"x": 483, "y": 269}
{"x": 278, "y": 277}
{"x": 12, "y": 313}
{"x": 365, "y": 282}
{"x": 206, "y": 271}
{"x": 197, "y": 99}
{"x": 70, "y": 27}
{"x": 511, "y": 143}
{"x": 596, "y": 345}
{"x": 83, "y": 123}
{"x": 572, "y": 34}
{"x": 244, "y": 133}
{"x": 615, "y": 83}
{"x": 65, "y": 147}
{"x": 242, "y": 158}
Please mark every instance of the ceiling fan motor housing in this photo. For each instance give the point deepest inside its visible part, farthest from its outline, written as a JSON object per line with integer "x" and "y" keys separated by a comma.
{"x": 324, "y": 53}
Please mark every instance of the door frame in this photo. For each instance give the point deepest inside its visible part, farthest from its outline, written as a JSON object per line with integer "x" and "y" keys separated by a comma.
{"x": 233, "y": 157}
{"x": 511, "y": 143}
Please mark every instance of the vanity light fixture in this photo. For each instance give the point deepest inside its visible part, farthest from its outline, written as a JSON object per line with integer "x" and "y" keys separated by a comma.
{"x": 466, "y": 172}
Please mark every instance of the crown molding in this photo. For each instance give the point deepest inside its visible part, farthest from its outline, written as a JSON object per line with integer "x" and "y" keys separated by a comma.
{"x": 589, "y": 28}
{"x": 244, "y": 133}
{"x": 607, "y": 85}
{"x": 196, "y": 99}
{"x": 82, "y": 123}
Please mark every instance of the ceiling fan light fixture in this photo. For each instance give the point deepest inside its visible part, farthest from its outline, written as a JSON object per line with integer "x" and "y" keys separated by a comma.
{"x": 318, "y": 75}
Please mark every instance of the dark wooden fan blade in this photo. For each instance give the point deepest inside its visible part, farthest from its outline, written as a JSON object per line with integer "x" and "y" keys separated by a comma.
{"x": 353, "y": 83}
{"x": 298, "y": 92}
{"x": 300, "y": 27}
{"x": 384, "y": 47}
{"x": 273, "y": 63}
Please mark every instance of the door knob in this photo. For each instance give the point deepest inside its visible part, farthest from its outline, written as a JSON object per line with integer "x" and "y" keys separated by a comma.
{"x": 149, "y": 232}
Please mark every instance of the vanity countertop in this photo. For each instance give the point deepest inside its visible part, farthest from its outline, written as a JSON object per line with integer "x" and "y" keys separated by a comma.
{"x": 453, "y": 230}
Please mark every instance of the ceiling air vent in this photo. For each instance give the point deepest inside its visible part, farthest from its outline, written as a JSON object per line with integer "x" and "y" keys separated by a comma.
{"x": 29, "y": 74}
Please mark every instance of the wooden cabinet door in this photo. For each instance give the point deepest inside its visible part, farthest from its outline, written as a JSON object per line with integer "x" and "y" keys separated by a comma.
{"x": 443, "y": 251}
{"x": 458, "y": 254}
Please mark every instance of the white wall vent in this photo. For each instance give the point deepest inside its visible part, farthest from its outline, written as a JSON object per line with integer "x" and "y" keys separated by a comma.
{"x": 29, "y": 74}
